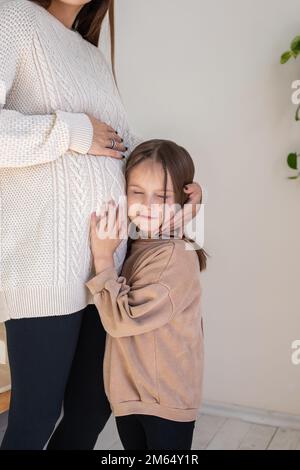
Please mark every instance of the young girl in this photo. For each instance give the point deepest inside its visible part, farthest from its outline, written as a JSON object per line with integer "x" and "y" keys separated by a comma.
{"x": 153, "y": 363}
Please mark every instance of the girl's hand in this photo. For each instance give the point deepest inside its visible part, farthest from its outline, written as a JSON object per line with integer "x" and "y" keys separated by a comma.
{"x": 189, "y": 210}
{"x": 105, "y": 235}
{"x": 101, "y": 145}
{"x": 195, "y": 193}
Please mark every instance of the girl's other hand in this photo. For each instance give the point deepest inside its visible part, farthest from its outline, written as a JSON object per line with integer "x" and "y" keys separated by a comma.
{"x": 195, "y": 193}
{"x": 102, "y": 140}
{"x": 179, "y": 221}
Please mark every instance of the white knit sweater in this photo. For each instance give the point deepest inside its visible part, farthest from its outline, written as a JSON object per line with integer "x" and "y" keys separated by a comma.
{"x": 49, "y": 78}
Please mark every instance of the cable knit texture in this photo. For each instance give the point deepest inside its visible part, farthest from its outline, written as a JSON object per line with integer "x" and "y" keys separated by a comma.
{"x": 50, "y": 79}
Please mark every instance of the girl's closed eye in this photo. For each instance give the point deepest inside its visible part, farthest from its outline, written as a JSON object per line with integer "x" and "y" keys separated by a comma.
{"x": 160, "y": 196}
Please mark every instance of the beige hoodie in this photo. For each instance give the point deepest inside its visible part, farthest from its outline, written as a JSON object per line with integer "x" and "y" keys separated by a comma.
{"x": 154, "y": 352}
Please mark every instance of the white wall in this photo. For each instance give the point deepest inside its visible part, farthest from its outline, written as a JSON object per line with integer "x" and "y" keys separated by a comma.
{"x": 206, "y": 74}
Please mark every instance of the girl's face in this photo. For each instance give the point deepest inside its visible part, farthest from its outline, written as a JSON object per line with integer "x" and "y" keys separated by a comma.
{"x": 145, "y": 196}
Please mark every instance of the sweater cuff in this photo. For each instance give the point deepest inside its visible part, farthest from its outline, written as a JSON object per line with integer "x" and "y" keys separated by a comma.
{"x": 97, "y": 283}
{"x": 81, "y": 130}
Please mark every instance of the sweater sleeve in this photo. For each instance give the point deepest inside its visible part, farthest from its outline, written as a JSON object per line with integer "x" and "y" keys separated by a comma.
{"x": 27, "y": 139}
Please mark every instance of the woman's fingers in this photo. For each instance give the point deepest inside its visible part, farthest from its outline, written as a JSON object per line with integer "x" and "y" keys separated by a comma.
{"x": 113, "y": 135}
{"x": 118, "y": 145}
{"x": 110, "y": 153}
{"x": 102, "y": 140}
{"x": 111, "y": 129}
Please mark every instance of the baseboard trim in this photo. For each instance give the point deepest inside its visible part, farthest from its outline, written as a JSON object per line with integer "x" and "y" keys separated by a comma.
{"x": 252, "y": 415}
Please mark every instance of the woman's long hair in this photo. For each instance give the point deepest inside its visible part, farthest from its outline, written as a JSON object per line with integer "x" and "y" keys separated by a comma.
{"x": 89, "y": 20}
{"x": 176, "y": 161}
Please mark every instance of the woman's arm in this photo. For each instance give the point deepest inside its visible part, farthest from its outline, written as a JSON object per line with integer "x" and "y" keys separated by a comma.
{"x": 27, "y": 140}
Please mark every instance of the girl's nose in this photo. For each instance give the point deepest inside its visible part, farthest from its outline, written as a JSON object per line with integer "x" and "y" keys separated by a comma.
{"x": 147, "y": 201}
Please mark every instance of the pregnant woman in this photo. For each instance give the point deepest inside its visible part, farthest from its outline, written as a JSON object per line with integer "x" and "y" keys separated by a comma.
{"x": 63, "y": 134}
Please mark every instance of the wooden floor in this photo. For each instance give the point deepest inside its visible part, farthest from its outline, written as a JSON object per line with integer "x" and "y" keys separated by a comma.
{"x": 213, "y": 432}
{"x": 4, "y": 401}
{"x": 217, "y": 433}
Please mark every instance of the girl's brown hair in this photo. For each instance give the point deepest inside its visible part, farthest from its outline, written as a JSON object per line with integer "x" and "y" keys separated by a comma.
{"x": 89, "y": 20}
{"x": 176, "y": 161}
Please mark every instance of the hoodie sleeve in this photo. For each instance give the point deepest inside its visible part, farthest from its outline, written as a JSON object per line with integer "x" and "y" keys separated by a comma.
{"x": 136, "y": 309}
{"x": 27, "y": 140}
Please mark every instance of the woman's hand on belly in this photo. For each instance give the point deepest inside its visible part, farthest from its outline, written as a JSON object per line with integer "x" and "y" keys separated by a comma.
{"x": 102, "y": 140}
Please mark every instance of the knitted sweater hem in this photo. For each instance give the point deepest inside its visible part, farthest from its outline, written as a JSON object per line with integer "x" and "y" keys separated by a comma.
{"x": 41, "y": 301}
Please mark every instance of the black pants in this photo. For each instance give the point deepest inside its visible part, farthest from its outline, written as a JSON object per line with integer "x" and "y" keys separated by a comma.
{"x": 56, "y": 360}
{"x": 144, "y": 432}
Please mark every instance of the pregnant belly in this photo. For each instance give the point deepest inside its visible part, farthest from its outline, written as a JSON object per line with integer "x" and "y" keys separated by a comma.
{"x": 46, "y": 215}
{"x": 109, "y": 184}
{"x": 108, "y": 178}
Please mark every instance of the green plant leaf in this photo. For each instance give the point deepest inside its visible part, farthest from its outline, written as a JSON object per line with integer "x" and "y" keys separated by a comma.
{"x": 297, "y": 113}
{"x": 295, "y": 45}
{"x": 285, "y": 57}
{"x": 292, "y": 161}
{"x": 293, "y": 177}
